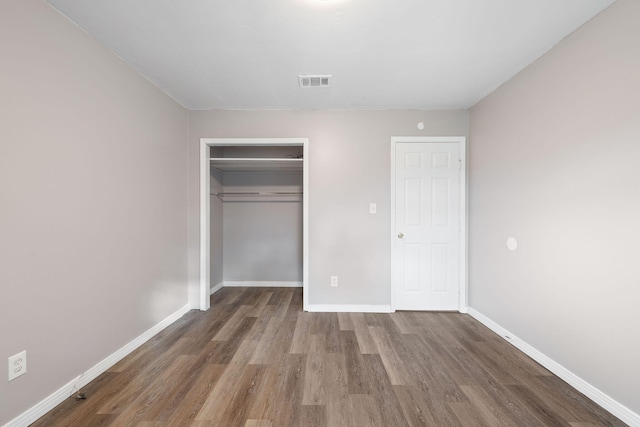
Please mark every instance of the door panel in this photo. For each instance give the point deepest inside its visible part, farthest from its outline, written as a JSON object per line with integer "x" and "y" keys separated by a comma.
{"x": 440, "y": 197}
{"x": 413, "y": 254}
{"x": 413, "y": 201}
{"x": 426, "y": 272}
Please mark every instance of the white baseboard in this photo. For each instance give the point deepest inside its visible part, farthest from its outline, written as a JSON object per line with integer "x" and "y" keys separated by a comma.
{"x": 216, "y": 288}
{"x": 249, "y": 284}
{"x": 57, "y": 397}
{"x": 593, "y": 393}
{"x": 348, "y": 308}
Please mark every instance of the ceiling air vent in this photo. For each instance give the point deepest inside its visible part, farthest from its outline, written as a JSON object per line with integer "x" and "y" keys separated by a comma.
{"x": 314, "y": 80}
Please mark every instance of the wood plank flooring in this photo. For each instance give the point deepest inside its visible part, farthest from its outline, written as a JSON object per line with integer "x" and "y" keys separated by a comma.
{"x": 256, "y": 360}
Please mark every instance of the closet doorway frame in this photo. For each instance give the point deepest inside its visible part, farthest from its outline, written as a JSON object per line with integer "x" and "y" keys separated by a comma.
{"x": 205, "y": 208}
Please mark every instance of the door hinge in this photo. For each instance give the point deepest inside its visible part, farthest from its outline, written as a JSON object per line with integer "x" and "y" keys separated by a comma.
{"x": 459, "y": 164}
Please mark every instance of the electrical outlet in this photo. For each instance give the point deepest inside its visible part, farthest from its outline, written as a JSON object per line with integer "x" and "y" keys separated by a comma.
{"x": 334, "y": 281}
{"x": 17, "y": 365}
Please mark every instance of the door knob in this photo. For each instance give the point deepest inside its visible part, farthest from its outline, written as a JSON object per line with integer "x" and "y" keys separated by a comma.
{"x": 400, "y": 235}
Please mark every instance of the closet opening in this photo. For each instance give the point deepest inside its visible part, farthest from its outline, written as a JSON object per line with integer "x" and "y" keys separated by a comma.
{"x": 253, "y": 214}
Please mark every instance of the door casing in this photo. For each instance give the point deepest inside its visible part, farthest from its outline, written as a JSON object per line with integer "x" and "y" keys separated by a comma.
{"x": 462, "y": 141}
{"x": 204, "y": 284}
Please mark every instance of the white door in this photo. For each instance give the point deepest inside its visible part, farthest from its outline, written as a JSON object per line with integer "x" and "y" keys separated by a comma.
{"x": 426, "y": 245}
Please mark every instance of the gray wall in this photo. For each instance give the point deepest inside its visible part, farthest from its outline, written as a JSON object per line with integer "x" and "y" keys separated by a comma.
{"x": 216, "y": 248}
{"x": 93, "y": 202}
{"x": 554, "y": 160}
{"x": 349, "y": 168}
{"x": 262, "y": 237}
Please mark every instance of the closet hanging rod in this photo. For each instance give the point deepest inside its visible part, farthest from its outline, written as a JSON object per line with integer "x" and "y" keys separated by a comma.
{"x": 258, "y": 193}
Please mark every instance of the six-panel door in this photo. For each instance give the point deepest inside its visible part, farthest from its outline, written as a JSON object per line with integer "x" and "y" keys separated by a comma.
{"x": 427, "y": 226}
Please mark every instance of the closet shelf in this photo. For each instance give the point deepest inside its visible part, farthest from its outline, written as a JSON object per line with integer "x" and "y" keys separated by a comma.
{"x": 258, "y": 193}
{"x": 255, "y": 164}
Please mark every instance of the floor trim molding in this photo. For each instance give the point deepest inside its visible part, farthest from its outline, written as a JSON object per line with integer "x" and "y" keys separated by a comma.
{"x": 261, "y": 284}
{"x": 216, "y": 288}
{"x": 348, "y": 308}
{"x": 58, "y": 396}
{"x": 593, "y": 393}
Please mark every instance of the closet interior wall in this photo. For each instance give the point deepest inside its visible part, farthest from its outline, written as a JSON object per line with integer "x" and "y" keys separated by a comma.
{"x": 256, "y": 216}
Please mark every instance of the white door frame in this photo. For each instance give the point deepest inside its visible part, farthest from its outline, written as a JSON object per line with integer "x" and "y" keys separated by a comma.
{"x": 462, "y": 141}
{"x": 205, "y": 209}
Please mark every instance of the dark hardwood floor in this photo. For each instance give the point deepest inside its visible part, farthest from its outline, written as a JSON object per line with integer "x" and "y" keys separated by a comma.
{"x": 256, "y": 360}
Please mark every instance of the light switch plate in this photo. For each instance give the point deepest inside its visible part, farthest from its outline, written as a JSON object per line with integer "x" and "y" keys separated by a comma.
{"x": 373, "y": 208}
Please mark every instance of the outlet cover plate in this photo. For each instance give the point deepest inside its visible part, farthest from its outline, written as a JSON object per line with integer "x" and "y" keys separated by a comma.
{"x": 17, "y": 365}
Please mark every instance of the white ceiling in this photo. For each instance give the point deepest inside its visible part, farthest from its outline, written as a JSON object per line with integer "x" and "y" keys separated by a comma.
{"x": 382, "y": 54}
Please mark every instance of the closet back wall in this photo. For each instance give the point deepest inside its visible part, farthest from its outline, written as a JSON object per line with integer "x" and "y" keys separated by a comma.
{"x": 216, "y": 250}
{"x": 262, "y": 235}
